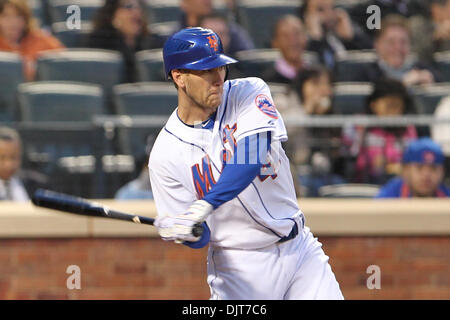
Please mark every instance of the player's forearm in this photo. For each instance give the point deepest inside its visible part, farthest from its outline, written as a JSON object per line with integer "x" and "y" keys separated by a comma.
{"x": 236, "y": 177}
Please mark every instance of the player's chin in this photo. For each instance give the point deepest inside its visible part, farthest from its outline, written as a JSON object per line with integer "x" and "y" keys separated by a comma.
{"x": 214, "y": 101}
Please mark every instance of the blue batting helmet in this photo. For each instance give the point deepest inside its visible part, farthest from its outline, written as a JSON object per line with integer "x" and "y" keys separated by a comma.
{"x": 194, "y": 49}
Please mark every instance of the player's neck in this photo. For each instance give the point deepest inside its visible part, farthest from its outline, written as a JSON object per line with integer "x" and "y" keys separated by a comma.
{"x": 192, "y": 115}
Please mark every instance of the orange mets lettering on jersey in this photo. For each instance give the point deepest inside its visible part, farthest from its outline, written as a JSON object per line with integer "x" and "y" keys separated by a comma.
{"x": 213, "y": 44}
{"x": 204, "y": 180}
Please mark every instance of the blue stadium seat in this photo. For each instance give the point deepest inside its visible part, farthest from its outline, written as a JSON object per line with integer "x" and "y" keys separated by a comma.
{"x": 349, "y": 190}
{"x": 443, "y": 62}
{"x": 259, "y": 17}
{"x": 349, "y": 4}
{"x": 162, "y": 10}
{"x": 350, "y": 97}
{"x": 11, "y": 75}
{"x": 169, "y": 10}
{"x": 59, "y": 101}
{"x": 252, "y": 63}
{"x": 58, "y": 9}
{"x": 103, "y": 67}
{"x": 148, "y": 98}
{"x": 145, "y": 98}
{"x": 67, "y": 153}
{"x": 428, "y": 97}
{"x": 353, "y": 60}
{"x": 163, "y": 29}
{"x": 150, "y": 65}
{"x": 72, "y": 38}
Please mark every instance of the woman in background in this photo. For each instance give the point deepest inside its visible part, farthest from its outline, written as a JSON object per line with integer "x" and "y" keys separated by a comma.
{"x": 19, "y": 33}
{"x": 316, "y": 152}
{"x": 121, "y": 25}
{"x": 380, "y": 149}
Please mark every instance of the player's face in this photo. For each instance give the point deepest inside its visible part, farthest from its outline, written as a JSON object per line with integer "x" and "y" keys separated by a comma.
{"x": 423, "y": 179}
{"x": 10, "y": 158}
{"x": 204, "y": 88}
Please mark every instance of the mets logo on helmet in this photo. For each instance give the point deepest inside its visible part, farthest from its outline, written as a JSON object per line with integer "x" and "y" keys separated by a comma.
{"x": 213, "y": 44}
{"x": 266, "y": 106}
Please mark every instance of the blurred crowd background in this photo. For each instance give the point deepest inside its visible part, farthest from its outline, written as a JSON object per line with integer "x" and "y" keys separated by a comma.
{"x": 62, "y": 80}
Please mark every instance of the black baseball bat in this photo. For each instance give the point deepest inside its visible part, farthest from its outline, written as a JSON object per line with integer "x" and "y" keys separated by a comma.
{"x": 67, "y": 203}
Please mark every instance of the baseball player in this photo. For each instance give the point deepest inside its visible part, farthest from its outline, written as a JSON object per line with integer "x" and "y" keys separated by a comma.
{"x": 218, "y": 162}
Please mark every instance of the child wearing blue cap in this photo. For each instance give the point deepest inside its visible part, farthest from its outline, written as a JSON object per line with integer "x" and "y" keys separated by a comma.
{"x": 422, "y": 173}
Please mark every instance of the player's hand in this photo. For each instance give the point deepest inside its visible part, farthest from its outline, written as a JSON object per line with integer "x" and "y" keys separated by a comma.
{"x": 175, "y": 229}
{"x": 180, "y": 227}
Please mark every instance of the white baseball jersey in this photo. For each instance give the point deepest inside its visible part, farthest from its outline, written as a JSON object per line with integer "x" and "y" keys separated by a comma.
{"x": 186, "y": 162}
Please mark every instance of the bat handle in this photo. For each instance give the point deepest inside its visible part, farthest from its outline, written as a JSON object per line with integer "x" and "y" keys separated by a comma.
{"x": 197, "y": 231}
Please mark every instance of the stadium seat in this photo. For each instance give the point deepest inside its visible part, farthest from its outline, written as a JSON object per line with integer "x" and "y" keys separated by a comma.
{"x": 254, "y": 62}
{"x": 162, "y": 10}
{"x": 58, "y": 9}
{"x": 142, "y": 99}
{"x": 259, "y": 17}
{"x": 103, "y": 67}
{"x": 350, "y": 97}
{"x": 11, "y": 75}
{"x": 145, "y": 98}
{"x": 59, "y": 101}
{"x": 349, "y": 190}
{"x": 349, "y": 4}
{"x": 443, "y": 62}
{"x": 428, "y": 97}
{"x": 72, "y": 38}
{"x": 150, "y": 65}
{"x": 353, "y": 60}
{"x": 70, "y": 154}
{"x": 169, "y": 10}
{"x": 163, "y": 29}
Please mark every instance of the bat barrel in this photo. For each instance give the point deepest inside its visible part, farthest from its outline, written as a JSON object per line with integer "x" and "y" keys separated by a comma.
{"x": 63, "y": 202}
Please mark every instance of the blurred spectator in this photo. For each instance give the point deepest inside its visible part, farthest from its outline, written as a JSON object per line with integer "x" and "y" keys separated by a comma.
{"x": 317, "y": 149}
{"x": 422, "y": 174}
{"x": 405, "y": 8}
{"x": 194, "y": 10}
{"x": 431, "y": 35}
{"x": 392, "y": 45}
{"x": 441, "y": 132}
{"x": 379, "y": 149}
{"x": 121, "y": 25}
{"x": 138, "y": 188}
{"x": 11, "y": 187}
{"x": 290, "y": 38}
{"x": 19, "y": 33}
{"x": 219, "y": 25}
{"x": 331, "y": 31}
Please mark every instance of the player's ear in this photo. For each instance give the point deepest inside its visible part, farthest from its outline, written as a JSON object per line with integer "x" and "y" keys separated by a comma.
{"x": 177, "y": 77}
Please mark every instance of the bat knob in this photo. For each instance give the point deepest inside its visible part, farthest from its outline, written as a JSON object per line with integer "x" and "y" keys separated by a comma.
{"x": 197, "y": 231}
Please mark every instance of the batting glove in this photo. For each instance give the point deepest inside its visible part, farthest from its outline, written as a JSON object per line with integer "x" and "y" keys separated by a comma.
{"x": 180, "y": 227}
